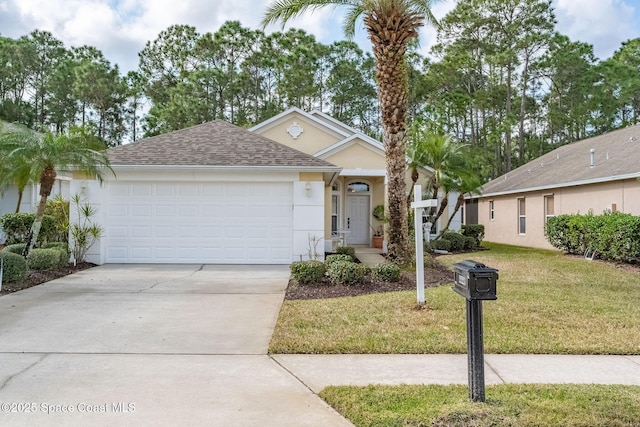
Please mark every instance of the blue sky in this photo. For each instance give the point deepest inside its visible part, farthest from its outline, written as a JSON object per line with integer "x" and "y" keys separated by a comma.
{"x": 120, "y": 28}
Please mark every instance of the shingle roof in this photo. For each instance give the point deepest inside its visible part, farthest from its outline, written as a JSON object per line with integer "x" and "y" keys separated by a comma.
{"x": 215, "y": 143}
{"x": 617, "y": 156}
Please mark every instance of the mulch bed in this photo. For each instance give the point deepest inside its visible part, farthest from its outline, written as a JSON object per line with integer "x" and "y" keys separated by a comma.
{"x": 433, "y": 277}
{"x": 35, "y": 278}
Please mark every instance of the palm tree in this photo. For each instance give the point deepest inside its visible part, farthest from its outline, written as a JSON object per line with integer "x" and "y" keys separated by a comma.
{"x": 391, "y": 25}
{"x": 77, "y": 151}
{"x": 19, "y": 171}
{"x": 447, "y": 158}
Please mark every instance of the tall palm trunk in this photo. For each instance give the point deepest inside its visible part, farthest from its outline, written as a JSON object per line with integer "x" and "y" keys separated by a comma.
{"x": 389, "y": 47}
{"x": 47, "y": 179}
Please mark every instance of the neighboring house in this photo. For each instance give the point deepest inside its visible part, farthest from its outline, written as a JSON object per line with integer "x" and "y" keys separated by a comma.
{"x": 31, "y": 197}
{"x": 361, "y": 186}
{"x": 212, "y": 193}
{"x": 600, "y": 174}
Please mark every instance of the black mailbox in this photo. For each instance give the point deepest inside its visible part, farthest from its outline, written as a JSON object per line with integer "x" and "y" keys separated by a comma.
{"x": 475, "y": 281}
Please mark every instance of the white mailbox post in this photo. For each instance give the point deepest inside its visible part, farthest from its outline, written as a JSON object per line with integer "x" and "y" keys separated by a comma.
{"x": 418, "y": 205}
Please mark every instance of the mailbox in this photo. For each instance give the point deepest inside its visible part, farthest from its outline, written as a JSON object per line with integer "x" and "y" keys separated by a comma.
{"x": 475, "y": 281}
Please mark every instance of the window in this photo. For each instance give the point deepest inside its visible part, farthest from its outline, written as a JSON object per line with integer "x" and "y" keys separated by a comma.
{"x": 522, "y": 216}
{"x": 548, "y": 207}
{"x": 335, "y": 208}
{"x": 492, "y": 212}
{"x": 358, "y": 187}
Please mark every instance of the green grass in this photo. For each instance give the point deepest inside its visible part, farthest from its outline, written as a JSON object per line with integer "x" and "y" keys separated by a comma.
{"x": 505, "y": 406}
{"x": 547, "y": 303}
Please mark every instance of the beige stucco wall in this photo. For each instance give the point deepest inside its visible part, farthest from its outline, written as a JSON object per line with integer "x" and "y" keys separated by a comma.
{"x": 625, "y": 195}
{"x": 357, "y": 156}
{"x": 310, "y": 141}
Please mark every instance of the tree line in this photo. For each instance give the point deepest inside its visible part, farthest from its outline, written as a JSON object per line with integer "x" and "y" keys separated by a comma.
{"x": 500, "y": 79}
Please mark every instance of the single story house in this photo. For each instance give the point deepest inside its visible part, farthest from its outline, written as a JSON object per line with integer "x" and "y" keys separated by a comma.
{"x": 287, "y": 189}
{"x": 599, "y": 174}
{"x": 361, "y": 185}
{"x": 212, "y": 193}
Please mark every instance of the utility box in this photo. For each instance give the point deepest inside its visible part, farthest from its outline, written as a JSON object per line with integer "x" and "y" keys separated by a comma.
{"x": 475, "y": 281}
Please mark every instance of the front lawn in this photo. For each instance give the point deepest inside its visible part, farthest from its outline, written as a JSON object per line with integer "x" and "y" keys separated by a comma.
{"x": 509, "y": 405}
{"x": 547, "y": 303}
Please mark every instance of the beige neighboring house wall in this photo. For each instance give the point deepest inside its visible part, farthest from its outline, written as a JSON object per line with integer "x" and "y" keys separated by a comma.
{"x": 360, "y": 187}
{"x": 575, "y": 178}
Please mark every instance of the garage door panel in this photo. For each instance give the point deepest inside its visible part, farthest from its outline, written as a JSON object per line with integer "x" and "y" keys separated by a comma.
{"x": 199, "y": 222}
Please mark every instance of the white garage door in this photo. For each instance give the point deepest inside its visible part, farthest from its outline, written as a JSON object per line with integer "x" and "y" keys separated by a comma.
{"x": 199, "y": 222}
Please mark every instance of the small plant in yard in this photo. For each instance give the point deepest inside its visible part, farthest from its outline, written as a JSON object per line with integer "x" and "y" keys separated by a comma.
{"x": 43, "y": 259}
{"x": 346, "y": 250}
{"x": 387, "y": 272}
{"x": 339, "y": 257}
{"x": 469, "y": 242}
{"x": 456, "y": 240}
{"x": 313, "y": 246}
{"x": 14, "y": 266}
{"x": 346, "y": 273}
{"x": 84, "y": 232}
{"x": 441, "y": 244}
{"x": 16, "y": 248}
{"x": 307, "y": 271}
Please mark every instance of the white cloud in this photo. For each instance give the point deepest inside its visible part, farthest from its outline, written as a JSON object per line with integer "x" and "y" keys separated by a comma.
{"x": 120, "y": 28}
{"x": 603, "y": 23}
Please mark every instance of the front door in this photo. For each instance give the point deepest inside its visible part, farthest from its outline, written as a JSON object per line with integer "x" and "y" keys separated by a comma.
{"x": 358, "y": 219}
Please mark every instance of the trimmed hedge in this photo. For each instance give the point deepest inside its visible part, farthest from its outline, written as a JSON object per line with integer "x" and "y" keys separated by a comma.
{"x": 63, "y": 249}
{"x": 474, "y": 230}
{"x": 14, "y": 268}
{"x": 346, "y": 250}
{"x": 469, "y": 242}
{"x": 16, "y": 226}
{"x": 346, "y": 273}
{"x": 43, "y": 259}
{"x": 16, "y": 248}
{"x": 613, "y": 236}
{"x": 441, "y": 244}
{"x": 335, "y": 258}
{"x": 456, "y": 239}
{"x": 387, "y": 272}
{"x": 307, "y": 271}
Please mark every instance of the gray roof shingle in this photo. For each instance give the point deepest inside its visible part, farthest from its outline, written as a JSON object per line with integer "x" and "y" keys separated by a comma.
{"x": 617, "y": 155}
{"x": 215, "y": 143}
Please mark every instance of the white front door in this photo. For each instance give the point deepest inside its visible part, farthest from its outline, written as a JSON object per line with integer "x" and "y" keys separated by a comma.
{"x": 358, "y": 219}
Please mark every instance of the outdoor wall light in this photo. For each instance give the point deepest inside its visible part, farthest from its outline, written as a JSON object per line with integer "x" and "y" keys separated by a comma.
{"x": 307, "y": 189}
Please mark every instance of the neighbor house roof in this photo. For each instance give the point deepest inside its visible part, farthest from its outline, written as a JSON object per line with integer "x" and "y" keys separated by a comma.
{"x": 616, "y": 156}
{"x": 217, "y": 144}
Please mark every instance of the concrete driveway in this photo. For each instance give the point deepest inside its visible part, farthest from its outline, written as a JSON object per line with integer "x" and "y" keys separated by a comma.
{"x": 151, "y": 345}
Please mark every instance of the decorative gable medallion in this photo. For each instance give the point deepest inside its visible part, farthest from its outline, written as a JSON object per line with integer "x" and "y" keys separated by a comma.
{"x": 295, "y": 130}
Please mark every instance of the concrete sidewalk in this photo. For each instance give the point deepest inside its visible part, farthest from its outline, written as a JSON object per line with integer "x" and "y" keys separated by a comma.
{"x": 320, "y": 371}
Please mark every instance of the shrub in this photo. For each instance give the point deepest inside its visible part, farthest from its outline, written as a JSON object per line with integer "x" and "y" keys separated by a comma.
{"x": 568, "y": 232}
{"x": 63, "y": 250}
{"x": 387, "y": 272}
{"x": 474, "y": 230}
{"x": 307, "y": 271}
{"x": 14, "y": 268}
{"x": 346, "y": 273}
{"x": 430, "y": 261}
{"x": 17, "y": 226}
{"x": 469, "y": 242}
{"x": 43, "y": 259}
{"x": 427, "y": 246}
{"x": 346, "y": 250}
{"x": 612, "y": 236}
{"x": 456, "y": 239}
{"x": 16, "y": 248}
{"x": 58, "y": 209}
{"x": 441, "y": 245}
{"x": 340, "y": 257}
